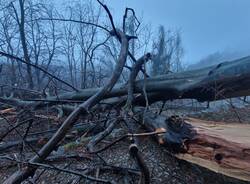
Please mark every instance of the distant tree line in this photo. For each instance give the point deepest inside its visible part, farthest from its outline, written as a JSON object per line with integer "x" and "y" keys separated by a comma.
{"x": 53, "y": 38}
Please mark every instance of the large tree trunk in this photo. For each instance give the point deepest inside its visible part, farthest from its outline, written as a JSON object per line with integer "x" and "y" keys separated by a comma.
{"x": 220, "y": 147}
{"x": 24, "y": 43}
{"x": 226, "y": 80}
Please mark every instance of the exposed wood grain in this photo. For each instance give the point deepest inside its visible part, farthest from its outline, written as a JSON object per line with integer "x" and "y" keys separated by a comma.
{"x": 223, "y": 148}
{"x": 218, "y": 146}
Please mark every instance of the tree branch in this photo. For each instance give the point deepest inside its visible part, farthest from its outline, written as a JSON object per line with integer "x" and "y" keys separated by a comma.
{"x": 37, "y": 67}
{"x": 21, "y": 175}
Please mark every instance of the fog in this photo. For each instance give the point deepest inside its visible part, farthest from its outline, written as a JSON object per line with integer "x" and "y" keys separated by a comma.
{"x": 207, "y": 26}
{"x": 116, "y": 91}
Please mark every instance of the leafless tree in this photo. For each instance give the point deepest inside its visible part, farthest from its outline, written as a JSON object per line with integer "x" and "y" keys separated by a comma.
{"x": 8, "y": 33}
{"x": 44, "y": 39}
{"x": 86, "y": 38}
{"x": 167, "y": 51}
{"x": 20, "y": 17}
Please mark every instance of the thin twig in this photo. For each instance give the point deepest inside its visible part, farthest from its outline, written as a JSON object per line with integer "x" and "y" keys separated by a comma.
{"x": 126, "y": 136}
{"x": 57, "y": 168}
{"x": 37, "y": 67}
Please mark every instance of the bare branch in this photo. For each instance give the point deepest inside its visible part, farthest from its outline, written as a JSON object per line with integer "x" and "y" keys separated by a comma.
{"x": 67, "y": 124}
{"x": 38, "y": 67}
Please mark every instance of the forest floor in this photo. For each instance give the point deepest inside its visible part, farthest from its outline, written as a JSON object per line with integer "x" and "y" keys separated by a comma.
{"x": 115, "y": 163}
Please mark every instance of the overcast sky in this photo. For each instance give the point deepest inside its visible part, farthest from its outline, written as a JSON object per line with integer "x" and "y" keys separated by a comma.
{"x": 207, "y": 25}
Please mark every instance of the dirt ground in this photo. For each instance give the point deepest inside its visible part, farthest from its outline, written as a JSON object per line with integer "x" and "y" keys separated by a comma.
{"x": 164, "y": 168}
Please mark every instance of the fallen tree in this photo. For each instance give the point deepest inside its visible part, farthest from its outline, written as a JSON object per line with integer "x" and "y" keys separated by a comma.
{"x": 225, "y": 80}
{"x": 214, "y": 147}
{"x": 21, "y": 175}
{"x": 220, "y": 147}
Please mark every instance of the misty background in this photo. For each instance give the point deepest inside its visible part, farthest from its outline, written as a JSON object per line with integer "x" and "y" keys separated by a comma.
{"x": 217, "y": 27}
{"x": 180, "y": 35}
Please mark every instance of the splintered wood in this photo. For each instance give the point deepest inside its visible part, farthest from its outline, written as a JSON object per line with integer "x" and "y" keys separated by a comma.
{"x": 223, "y": 148}
{"x": 220, "y": 147}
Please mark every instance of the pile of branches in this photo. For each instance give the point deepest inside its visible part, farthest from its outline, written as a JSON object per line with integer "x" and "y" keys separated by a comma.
{"x": 127, "y": 104}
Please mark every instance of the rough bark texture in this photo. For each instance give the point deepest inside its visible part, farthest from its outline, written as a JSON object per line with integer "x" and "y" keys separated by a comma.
{"x": 23, "y": 174}
{"x": 24, "y": 43}
{"x": 221, "y": 147}
{"x": 226, "y": 80}
{"x": 134, "y": 72}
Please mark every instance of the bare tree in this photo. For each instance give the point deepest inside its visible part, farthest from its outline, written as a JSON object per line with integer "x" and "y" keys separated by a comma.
{"x": 21, "y": 22}
{"x": 165, "y": 48}
{"x": 8, "y": 32}
{"x": 44, "y": 39}
{"x": 69, "y": 47}
{"x": 86, "y": 39}
{"x": 177, "y": 64}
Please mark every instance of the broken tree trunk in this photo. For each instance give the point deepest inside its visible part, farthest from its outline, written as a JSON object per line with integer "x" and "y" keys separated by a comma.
{"x": 220, "y": 147}
{"x": 225, "y": 80}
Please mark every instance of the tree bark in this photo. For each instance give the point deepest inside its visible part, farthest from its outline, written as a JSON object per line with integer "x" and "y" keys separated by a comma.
{"x": 220, "y": 147}
{"x": 225, "y": 80}
{"x": 24, "y": 43}
{"x": 83, "y": 109}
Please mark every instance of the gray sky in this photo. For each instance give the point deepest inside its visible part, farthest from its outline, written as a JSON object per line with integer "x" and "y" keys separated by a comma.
{"x": 207, "y": 25}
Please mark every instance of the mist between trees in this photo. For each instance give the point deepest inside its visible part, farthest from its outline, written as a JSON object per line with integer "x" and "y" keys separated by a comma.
{"x": 74, "y": 84}
{"x": 54, "y": 37}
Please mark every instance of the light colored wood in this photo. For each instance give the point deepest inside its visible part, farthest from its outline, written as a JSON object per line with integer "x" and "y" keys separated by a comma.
{"x": 229, "y": 143}
{"x": 221, "y": 147}
{"x": 7, "y": 111}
